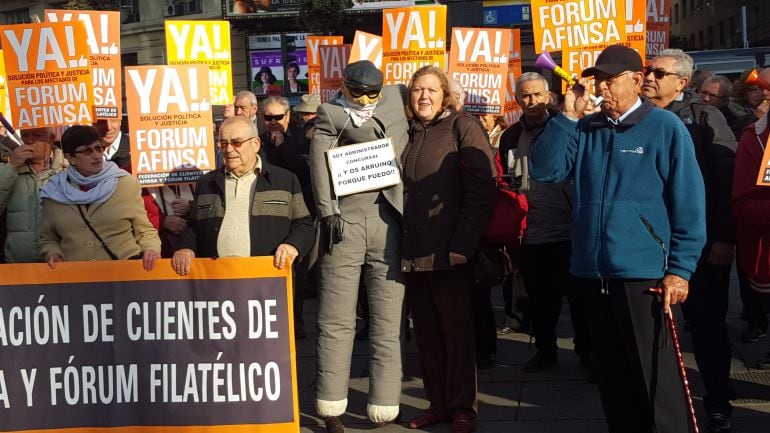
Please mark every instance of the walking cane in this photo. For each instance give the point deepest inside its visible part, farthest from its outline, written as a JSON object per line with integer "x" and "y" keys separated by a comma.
{"x": 680, "y": 361}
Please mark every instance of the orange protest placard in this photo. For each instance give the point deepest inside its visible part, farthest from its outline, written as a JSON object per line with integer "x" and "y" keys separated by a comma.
{"x": 658, "y": 25}
{"x": 172, "y": 137}
{"x": 563, "y": 24}
{"x": 334, "y": 58}
{"x": 314, "y": 59}
{"x": 103, "y": 37}
{"x": 366, "y": 46}
{"x": 48, "y": 74}
{"x": 479, "y": 62}
{"x": 412, "y": 38}
{"x": 577, "y": 59}
{"x": 3, "y": 90}
{"x": 203, "y": 43}
{"x": 763, "y": 178}
{"x": 511, "y": 110}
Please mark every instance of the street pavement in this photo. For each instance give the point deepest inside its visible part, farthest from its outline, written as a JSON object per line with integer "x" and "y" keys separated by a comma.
{"x": 558, "y": 400}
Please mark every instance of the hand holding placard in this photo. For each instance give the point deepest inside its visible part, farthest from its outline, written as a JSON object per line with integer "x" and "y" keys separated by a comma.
{"x": 545, "y": 60}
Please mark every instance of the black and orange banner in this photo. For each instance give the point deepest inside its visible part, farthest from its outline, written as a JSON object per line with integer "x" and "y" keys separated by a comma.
{"x": 108, "y": 347}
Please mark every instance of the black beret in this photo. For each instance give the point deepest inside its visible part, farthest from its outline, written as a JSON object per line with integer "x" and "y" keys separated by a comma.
{"x": 364, "y": 75}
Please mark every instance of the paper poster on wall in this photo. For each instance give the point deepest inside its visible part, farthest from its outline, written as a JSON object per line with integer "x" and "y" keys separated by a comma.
{"x": 267, "y": 73}
{"x": 203, "y": 43}
{"x": 412, "y": 38}
{"x": 172, "y": 136}
{"x": 48, "y": 74}
{"x": 102, "y": 32}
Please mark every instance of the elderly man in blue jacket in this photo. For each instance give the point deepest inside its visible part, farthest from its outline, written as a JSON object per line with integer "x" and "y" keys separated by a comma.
{"x": 638, "y": 223}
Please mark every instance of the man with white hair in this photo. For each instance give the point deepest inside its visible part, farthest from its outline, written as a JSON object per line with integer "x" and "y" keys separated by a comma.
{"x": 545, "y": 253}
{"x": 29, "y": 167}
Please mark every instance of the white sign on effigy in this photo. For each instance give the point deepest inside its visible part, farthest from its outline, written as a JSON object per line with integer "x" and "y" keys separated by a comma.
{"x": 363, "y": 167}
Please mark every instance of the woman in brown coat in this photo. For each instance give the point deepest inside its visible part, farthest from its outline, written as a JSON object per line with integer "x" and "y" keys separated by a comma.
{"x": 449, "y": 193}
{"x": 94, "y": 210}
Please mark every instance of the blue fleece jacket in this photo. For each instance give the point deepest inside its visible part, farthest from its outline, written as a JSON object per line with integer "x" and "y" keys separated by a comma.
{"x": 639, "y": 196}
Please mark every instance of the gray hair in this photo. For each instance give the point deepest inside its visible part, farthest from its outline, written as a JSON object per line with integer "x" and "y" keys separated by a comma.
{"x": 247, "y": 94}
{"x": 253, "y": 131}
{"x": 684, "y": 63}
{"x": 277, "y": 100}
{"x": 725, "y": 85}
{"x": 530, "y": 76}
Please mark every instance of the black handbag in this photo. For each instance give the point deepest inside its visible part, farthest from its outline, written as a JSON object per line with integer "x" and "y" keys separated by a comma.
{"x": 490, "y": 266}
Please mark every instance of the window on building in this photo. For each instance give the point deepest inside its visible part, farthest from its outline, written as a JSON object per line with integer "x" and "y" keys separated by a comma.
{"x": 175, "y": 8}
{"x": 18, "y": 16}
{"x": 753, "y": 17}
{"x": 675, "y": 17}
{"x": 710, "y": 38}
{"x": 699, "y": 41}
{"x": 721, "y": 34}
{"x": 684, "y": 9}
{"x": 129, "y": 11}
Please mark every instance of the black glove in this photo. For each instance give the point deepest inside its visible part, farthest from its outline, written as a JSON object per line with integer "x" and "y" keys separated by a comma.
{"x": 332, "y": 227}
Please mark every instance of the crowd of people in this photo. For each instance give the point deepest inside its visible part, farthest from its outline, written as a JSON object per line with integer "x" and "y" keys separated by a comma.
{"x": 653, "y": 189}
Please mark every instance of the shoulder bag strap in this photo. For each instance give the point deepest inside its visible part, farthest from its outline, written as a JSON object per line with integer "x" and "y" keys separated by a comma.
{"x": 101, "y": 241}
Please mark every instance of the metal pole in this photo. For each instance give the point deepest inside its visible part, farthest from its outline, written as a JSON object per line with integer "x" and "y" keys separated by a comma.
{"x": 744, "y": 29}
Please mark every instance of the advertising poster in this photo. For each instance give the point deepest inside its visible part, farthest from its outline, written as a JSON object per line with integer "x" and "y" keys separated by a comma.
{"x": 108, "y": 347}
{"x": 203, "y": 43}
{"x": 564, "y": 24}
{"x": 275, "y": 8}
{"x": 479, "y": 62}
{"x": 267, "y": 69}
{"x": 48, "y": 74}
{"x": 577, "y": 59}
{"x": 314, "y": 59}
{"x": 334, "y": 58}
{"x": 658, "y": 25}
{"x": 412, "y": 38}
{"x": 366, "y": 46}
{"x": 103, "y": 37}
{"x": 172, "y": 136}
